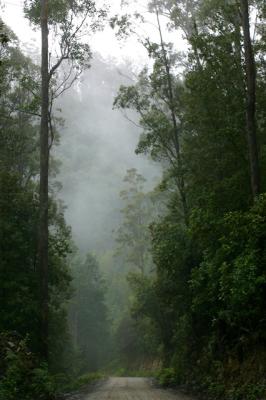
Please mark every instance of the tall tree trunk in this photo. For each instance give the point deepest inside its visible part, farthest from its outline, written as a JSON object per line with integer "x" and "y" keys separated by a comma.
{"x": 180, "y": 176}
{"x": 44, "y": 167}
{"x": 250, "y": 101}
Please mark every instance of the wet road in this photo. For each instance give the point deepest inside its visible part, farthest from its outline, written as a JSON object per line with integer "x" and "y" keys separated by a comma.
{"x": 132, "y": 389}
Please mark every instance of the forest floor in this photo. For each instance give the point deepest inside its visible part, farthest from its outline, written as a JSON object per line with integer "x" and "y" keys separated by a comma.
{"x": 129, "y": 389}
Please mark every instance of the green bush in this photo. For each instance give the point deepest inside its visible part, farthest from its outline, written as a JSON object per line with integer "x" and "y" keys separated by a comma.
{"x": 248, "y": 392}
{"x": 167, "y": 377}
{"x": 22, "y": 377}
{"x": 68, "y": 384}
{"x": 87, "y": 379}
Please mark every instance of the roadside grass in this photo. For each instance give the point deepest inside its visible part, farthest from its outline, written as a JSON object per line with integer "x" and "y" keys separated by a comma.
{"x": 67, "y": 386}
{"x": 138, "y": 373}
{"x": 209, "y": 388}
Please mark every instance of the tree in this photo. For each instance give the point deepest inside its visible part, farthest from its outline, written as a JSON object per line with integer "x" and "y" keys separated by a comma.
{"x": 88, "y": 314}
{"x": 3, "y": 34}
{"x": 176, "y": 128}
{"x": 194, "y": 20}
{"x": 156, "y": 98}
{"x": 19, "y": 205}
{"x": 133, "y": 234}
{"x": 68, "y": 20}
{"x": 208, "y": 292}
{"x": 250, "y": 101}
{"x": 44, "y": 168}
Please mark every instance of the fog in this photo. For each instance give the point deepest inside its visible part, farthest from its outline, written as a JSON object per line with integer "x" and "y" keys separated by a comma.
{"x": 97, "y": 146}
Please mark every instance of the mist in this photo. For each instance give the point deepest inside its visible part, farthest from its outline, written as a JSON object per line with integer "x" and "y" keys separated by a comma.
{"x": 97, "y": 147}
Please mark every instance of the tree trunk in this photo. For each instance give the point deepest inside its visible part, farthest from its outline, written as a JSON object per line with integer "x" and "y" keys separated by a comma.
{"x": 44, "y": 167}
{"x": 176, "y": 138}
{"x": 250, "y": 101}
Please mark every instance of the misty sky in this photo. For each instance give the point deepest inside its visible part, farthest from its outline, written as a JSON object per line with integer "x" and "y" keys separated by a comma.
{"x": 103, "y": 42}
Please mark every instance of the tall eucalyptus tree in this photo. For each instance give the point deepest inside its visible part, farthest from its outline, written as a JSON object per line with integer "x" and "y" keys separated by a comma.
{"x": 68, "y": 21}
{"x": 251, "y": 130}
{"x": 44, "y": 170}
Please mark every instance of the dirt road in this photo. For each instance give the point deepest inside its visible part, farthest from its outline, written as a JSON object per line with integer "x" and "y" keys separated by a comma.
{"x": 132, "y": 389}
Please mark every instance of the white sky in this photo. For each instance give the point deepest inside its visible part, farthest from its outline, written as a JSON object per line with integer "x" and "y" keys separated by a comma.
{"x": 104, "y": 42}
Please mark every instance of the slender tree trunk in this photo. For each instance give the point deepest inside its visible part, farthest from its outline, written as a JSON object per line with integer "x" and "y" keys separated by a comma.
{"x": 44, "y": 167}
{"x": 180, "y": 177}
{"x": 250, "y": 101}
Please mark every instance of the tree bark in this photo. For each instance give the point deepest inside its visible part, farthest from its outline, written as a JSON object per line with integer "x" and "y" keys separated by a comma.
{"x": 250, "y": 101}
{"x": 44, "y": 168}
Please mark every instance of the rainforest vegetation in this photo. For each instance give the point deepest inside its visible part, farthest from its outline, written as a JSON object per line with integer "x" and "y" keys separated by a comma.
{"x": 172, "y": 282}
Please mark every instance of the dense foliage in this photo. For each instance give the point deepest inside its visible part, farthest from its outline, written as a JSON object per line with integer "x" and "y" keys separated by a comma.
{"x": 23, "y": 372}
{"x": 206, "y": 304}
{"x": 19, "y": 226}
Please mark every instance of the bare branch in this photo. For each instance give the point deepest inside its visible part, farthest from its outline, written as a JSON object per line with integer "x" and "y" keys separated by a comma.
{"x": 66, "y": 78}
{"x": 129, "y": 119}
{"x": 66, "y": 87}
{"x": 57, "y": 65}
{"x": 26, "y": 112}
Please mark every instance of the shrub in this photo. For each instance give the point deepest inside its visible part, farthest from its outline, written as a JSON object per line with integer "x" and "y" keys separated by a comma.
{"x": 167, "y": 377}
{"x": 22, "y": 376}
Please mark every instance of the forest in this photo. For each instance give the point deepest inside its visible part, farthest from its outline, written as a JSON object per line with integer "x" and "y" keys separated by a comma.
{"x": 133, "y": 198}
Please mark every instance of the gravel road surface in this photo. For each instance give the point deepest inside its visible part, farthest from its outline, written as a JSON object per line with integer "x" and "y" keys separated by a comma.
{"x": 132, "y": 389}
